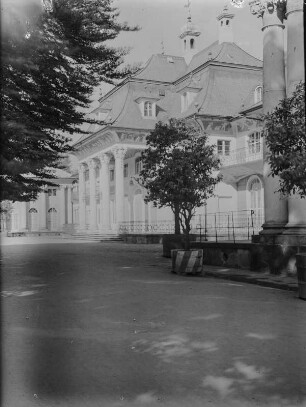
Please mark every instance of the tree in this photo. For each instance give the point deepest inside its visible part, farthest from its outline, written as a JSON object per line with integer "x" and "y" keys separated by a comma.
{"x": 285, "y": 136}
{"x": 179, "y": 170}
{"x": 52, "y": 59}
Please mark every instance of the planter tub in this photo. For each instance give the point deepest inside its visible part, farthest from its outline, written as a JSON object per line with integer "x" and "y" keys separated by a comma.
{"x": 187, "y": 262}
{"x": 301, "y": 272}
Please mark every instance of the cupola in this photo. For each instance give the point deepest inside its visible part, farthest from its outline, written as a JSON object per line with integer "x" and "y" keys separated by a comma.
{"x": 189, "y": 34}
{"x": 225, "y": 22}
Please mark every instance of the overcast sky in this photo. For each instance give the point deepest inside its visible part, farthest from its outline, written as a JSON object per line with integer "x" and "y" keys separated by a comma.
{"x": 161, "y": 21}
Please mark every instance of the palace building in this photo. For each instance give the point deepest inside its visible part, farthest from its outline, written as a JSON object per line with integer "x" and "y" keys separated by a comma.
{"x": 220, "y": 87}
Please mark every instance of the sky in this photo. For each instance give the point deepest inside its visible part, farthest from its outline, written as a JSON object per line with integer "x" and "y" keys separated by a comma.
{"x": 161, "y": 21}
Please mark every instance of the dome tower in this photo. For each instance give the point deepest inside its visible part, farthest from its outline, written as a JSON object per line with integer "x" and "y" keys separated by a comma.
{"x": 189, "y": 34}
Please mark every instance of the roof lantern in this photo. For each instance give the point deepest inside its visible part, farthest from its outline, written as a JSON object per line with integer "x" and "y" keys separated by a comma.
{"x": 188, "y": 36}
{"x": 225, "y": 25}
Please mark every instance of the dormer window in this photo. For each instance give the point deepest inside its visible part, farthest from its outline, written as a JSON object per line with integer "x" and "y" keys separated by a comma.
{"x": 258, "y": 94}
{"x": 147, "y": 106}
{"x": 148, "y": 109}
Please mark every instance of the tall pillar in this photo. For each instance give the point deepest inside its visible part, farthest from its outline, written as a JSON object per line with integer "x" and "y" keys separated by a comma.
{"x": 82, "y": 208}
{"x": 295, "y": 74}
{"x": 274, "y": 90}
{"x": 119, "y": 153}
{"x": 62, "y": 207}
{"x": 69, "y": 205}
{"x": 92, "y": 194}
{"x": 43, "y": 211}
{"x": 104, "y": 190}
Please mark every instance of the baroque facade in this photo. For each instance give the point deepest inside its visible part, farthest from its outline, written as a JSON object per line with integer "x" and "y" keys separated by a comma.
{"x": 220, "y": 87}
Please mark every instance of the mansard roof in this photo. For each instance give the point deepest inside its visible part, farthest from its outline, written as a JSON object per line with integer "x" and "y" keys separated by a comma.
{"x": 223, "y": 91}
{"x": 162, "y": 68}
{"x": 227, "y": 52}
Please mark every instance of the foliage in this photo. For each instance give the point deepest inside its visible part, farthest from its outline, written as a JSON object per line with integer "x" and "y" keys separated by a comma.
{"x": 286, "y": 140}
{"x": 50, "y": 64}
{"x": 179, "y": 169}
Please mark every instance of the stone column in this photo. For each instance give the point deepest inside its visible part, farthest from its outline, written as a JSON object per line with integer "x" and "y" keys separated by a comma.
{"x": 92, "y": 194}
{"x": 62, "y": 207}
{"x": 82, "y": 196}
{"x": 295, "y": 74}
{"x": 69, "y": 205}
{"x": 104, "y": 190}
{"x": 119, "y": 153}
{"x": 295, "y": 44}
{"x": 43, "y": 210}
{"x": 274, "y": 90}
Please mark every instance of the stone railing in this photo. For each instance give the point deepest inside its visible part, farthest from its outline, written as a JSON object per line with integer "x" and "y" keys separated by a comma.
{"x": 242, "y": 156}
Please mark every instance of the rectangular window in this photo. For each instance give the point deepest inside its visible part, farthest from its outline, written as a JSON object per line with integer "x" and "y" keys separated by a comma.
{"x": 112, "y": 174}
{"x": 255, "y": 143}
{"x": 138, "y": 165}
{"x": 54, "y": 192}
{"x": 223, "y": 147}
{"x": 126, "y": 170}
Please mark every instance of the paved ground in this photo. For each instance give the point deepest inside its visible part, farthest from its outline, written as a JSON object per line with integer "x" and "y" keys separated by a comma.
{"x": 107, "y": 325}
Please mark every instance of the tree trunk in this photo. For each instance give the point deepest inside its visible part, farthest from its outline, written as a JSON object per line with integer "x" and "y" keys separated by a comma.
{"x": 177, "y": 229}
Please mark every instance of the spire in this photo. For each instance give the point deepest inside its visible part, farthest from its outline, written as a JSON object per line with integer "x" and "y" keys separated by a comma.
{"x": 189, "y": 33}
{"x": 225, "y": 25}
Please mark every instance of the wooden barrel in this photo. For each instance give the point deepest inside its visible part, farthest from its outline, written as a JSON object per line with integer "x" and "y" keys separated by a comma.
{"x": 301, "y": 273}
{"x": 187, "y": 261}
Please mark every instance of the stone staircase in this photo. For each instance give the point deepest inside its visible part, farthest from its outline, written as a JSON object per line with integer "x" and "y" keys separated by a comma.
{"x": 98, "y": 236}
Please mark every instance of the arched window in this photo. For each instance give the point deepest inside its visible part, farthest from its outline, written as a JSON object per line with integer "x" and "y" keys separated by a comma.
{"x": 254, "y": 142}
{"x": 258, "y": 94}
{"x": 184, "y": 44}
{"x": 148, "y": 109}
{"x": 221, "y": 23}
{"x": 227, "y": 22}
{"x": 192, "y": 43}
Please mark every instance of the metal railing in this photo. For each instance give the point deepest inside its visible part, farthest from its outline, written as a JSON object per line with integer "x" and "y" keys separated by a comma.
{"x": 233, "y": 225}
{"x": 242, "y": 155}
{"x": 219, "y": 226}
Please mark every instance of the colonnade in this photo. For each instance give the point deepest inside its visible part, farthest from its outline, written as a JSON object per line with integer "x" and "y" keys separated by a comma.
{"x": 102, "y": 161}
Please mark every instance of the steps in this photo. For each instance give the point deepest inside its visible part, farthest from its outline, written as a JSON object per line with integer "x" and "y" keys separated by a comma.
{"x": 95, "y": 236}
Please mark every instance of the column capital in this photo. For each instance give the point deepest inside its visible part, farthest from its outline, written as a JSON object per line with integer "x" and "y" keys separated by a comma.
{"x": 92, "y": 163}
{"x": 82, "y": 167}
{"x": 119, "y": 152}
{"x": 104, "y": 158}
{"x": 294, "y": 6}
{"x": 260, "y": 7}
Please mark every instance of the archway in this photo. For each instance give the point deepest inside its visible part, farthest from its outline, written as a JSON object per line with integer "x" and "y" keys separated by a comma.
{"x": 255, "y": 198}
{"x": 33, "y": 219}
{"x": 52, "y": 219}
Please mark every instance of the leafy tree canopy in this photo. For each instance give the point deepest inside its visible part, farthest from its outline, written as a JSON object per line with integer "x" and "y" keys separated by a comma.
{"x": 286, "y": 140}
{"x": 179, "y": 169}
{"x": 52, "y": 58}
